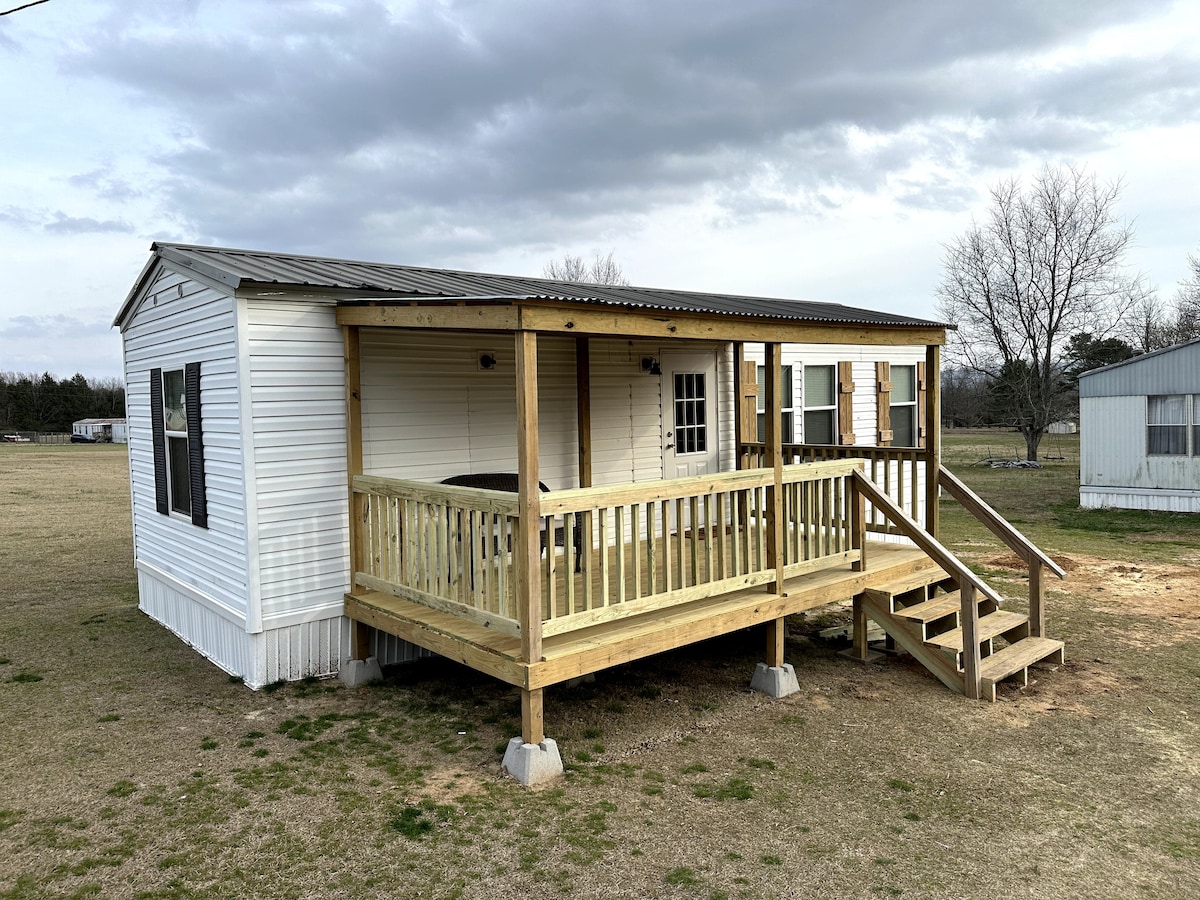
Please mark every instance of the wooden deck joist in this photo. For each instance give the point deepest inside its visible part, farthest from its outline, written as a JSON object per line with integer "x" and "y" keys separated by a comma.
{"x": 587, "y": 650}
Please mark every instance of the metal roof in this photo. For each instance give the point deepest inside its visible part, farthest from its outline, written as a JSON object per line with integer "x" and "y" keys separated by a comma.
{"x": 241, "y": 270}
{"x": 1170, "y": 370}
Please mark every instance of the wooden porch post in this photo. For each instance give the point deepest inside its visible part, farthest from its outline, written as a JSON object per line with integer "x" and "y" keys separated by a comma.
{"x": 360, "y": 633}
{"x": 528, "y": 550}
{"x": 970, "y": 634}
{"x": 775, "y": 524}
{"x": 933, "y": 436}
{"x": 583, "y": 407}
{"x": 739, "y": 416}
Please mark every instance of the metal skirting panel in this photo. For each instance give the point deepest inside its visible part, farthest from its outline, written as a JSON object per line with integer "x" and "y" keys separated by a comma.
{"x": 1091, "y": 497}
{"x": 214, "y": 636}
{"x": 280, "y": 654}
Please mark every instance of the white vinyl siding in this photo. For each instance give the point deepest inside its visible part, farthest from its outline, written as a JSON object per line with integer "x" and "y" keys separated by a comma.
{"x": 429, "y": 412}
{"x": 180, "y": 321}
{"x": 298, "y": 422}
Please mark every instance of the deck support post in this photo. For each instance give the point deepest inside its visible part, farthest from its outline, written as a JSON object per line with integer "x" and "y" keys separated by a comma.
{"x": 361, "y": 667}
{"x": 532, "y": 758}
{"x": 860, "y": 650}
{"x": 528, "y": 552}
{"x": 774, "y": 677}
{"x": 774, "y": 461}
{"x": 775, "y": 635}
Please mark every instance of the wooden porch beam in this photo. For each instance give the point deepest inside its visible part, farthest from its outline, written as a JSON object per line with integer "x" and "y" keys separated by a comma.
{"x": 630, "y": 323}
{"x": 528, "y": 554}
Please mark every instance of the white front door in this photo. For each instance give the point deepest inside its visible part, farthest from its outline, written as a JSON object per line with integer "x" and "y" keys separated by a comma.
{"x": 691, "y": 437}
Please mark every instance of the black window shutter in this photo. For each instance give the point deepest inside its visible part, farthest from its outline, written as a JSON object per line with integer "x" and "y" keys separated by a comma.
{"x": 191, "y": 386}
{"x": 159, "y": 435}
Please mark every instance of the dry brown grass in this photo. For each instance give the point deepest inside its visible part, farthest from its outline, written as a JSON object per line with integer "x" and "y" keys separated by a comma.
{"x": 133, "y": 767}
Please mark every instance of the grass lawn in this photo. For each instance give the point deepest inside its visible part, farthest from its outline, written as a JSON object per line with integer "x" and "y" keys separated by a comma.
{"x": 129, "y": 766}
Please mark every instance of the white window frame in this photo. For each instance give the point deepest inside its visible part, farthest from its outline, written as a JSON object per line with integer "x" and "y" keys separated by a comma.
{"x": 908, "y": 408}
{"x": 830, "y": 409}
{"x": 179, "y": 496}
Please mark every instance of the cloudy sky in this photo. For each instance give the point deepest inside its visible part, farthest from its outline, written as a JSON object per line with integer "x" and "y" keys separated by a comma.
{"x": 794, "y": 148}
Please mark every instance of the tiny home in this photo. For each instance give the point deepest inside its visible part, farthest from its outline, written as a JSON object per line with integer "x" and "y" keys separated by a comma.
{"x": 102, "y": 431}
{"x": 336, "y": 464}
{"x": 1139, "y": 423}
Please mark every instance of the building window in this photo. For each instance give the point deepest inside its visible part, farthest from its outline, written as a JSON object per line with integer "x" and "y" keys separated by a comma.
{"x": 820, "y": 405}
{"x": 179, "y": 490}
{"x": 178, "y": 444}
{"x": 904, "y": 406}
{"x": 1166, "y": 425}
{"x": 786, "y": 405}
{"x": 1196, "y": 425}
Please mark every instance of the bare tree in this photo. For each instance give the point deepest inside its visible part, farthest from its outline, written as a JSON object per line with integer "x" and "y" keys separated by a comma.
{"x": 1045, "y": 264}
{"x": 1154, "y": 323}
{"x": 601, "y": 270}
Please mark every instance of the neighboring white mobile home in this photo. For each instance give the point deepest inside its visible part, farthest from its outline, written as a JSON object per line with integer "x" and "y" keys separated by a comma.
{"x": 102, "y": 431}
{"x": 335, "y": 460}
{"x": 1139, "y": 423}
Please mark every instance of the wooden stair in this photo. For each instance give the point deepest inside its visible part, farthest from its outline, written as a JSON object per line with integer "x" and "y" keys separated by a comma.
{"x": 922, "y": 615}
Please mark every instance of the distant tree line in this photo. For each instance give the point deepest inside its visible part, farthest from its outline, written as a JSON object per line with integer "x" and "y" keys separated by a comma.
{"x": 31, "y": 402}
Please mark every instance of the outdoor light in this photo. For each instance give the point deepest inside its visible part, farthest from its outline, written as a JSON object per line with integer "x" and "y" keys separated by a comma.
{"x": 650, "y": 365}
{"x": 487, "y": 362}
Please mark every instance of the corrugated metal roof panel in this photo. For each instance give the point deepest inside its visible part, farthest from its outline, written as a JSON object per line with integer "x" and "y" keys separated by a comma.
{"x": 245, "y": 268}
{"x": 1171, "y": 370}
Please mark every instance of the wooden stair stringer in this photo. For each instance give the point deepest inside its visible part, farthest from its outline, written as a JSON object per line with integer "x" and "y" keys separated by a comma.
{"x": 912, "y": 641}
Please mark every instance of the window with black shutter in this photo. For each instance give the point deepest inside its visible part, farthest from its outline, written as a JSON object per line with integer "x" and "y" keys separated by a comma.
{"x": 178, "y": 443}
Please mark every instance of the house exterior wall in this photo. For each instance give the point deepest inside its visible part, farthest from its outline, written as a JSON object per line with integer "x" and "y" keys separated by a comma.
{"x": 259, "y": 592}
{"x": 1116, "y": 471}
{"x": 863, "y": 399}
{"x": 429, "y": 412}
{"x": 192, "y": 580}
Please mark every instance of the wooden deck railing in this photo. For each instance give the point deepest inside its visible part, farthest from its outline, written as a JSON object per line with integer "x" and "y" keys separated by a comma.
{"x": 1032, "y": 555}
{"x": 624, "y": 550}
{"x": 444, "y": 547}
{"x": 649, "y": 546}
{"x": 900, "y": 472}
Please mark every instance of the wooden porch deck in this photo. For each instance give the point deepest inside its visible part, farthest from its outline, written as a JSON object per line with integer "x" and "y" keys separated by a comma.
{"x": 592, "y": 649}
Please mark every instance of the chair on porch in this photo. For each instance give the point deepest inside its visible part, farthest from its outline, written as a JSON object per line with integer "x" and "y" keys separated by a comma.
{"x": 507, "y": 481}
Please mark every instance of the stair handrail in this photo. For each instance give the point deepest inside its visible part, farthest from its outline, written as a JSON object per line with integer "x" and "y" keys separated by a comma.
{"x": 911, "y": 529}
{"x": 994, "y": 522}
{"x": 968, "y": 582}
{"x": 1031, "y": 554}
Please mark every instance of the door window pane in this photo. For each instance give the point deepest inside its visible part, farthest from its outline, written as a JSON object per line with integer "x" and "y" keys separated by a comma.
{"x": 691, "y": 427}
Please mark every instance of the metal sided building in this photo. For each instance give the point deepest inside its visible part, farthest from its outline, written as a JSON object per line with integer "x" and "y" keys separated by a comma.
{"x": 1139, "y": 423}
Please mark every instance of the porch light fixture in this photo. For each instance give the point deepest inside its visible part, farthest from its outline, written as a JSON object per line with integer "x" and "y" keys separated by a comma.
{"x": 650, "y": 365}
{"x": 487, "y": 361}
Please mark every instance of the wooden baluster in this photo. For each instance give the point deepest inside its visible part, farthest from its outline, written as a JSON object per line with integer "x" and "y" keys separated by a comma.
{"x": 1037, "y": 610}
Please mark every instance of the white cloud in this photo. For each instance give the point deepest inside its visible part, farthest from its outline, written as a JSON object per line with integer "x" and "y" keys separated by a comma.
{"x": 812, "y": 149}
